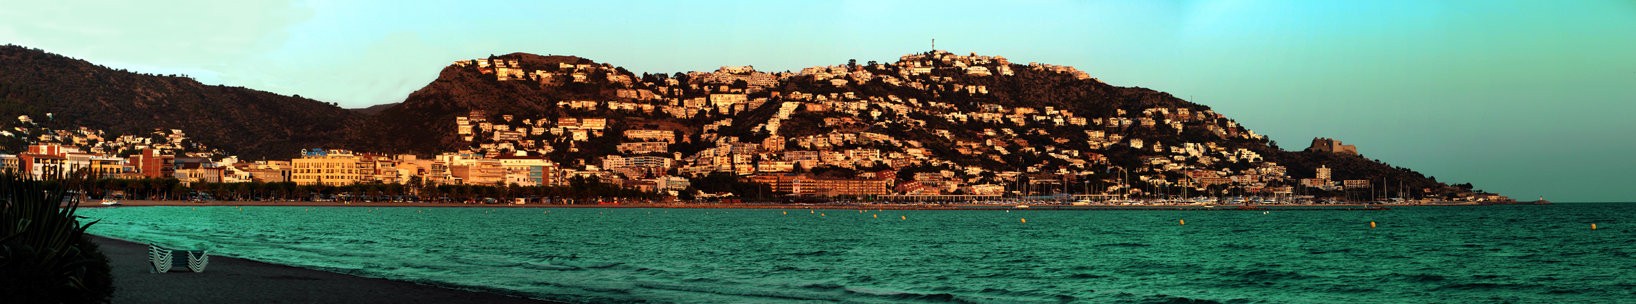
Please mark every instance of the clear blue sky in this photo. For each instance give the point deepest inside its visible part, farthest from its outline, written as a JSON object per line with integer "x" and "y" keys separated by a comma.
{"x": 1523, "y": 98}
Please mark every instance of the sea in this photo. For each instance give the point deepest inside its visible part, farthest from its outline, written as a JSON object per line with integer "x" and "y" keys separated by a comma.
{"x": 1472, "y": 254}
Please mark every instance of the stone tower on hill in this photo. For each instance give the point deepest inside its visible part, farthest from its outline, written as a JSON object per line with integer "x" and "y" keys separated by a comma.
{"x": 1332, "y": 146}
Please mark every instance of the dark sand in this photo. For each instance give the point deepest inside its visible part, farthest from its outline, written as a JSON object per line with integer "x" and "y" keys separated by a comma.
{"x": 230, "y": 280}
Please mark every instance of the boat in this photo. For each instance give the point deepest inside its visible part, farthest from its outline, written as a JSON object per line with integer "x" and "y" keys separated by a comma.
{"x": 1021, "y": 206}
{"x": 110, "y": 203}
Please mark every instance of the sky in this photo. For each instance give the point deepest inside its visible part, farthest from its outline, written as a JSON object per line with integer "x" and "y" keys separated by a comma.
{"x": 1523, "y": 98}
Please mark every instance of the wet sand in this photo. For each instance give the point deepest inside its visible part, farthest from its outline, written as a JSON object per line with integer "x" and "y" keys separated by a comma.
{"x": 231, "y": 280}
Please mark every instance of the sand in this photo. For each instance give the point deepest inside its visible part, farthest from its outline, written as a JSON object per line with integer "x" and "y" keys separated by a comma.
{"x": 230, "y": 280}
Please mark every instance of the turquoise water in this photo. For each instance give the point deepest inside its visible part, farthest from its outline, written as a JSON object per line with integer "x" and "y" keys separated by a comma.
{"x": 1482, "y": 254}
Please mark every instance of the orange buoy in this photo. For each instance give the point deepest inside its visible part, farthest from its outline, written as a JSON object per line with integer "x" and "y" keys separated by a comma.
{"x": 1184, "y": 222}
{"x": 877, "y": 216}
{"x": 1593, "y": 226}
{"x": 903, "y": 217}
{"x": 820, "y": 214}
{"x": 1024, "y": 220}
{"x": 1371, "y": 224}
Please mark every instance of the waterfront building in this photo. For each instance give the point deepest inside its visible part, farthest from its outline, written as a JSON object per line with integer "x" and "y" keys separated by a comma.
{"x": 151, "y": 164}
{"x": 479, "y": 172}
{"x": 333, "y": 167}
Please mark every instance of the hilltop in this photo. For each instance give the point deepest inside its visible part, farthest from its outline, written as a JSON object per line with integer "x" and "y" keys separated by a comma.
{"x": 241, "y": 121}
{"x": 371, "y": 110}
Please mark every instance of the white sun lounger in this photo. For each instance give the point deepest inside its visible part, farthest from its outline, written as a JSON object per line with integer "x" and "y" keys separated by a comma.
{"x": 163, "y": 259}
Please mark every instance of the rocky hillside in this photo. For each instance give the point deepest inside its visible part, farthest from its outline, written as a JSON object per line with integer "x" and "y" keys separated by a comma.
{"x": 240, "y": 121}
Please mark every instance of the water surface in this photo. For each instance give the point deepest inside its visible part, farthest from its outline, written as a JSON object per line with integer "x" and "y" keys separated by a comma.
{"x": 1481, "y": 254}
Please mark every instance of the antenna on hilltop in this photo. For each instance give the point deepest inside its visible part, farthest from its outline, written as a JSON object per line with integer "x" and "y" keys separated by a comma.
{"x": 934, "y": 44}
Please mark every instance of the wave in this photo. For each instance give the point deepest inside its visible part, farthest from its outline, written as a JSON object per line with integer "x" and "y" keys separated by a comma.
{"x": 1124, "y": 245}
{"x": 1262, "y": 275}
{"x": 1413, "y": 277}
{"x": 1485, "y": 286}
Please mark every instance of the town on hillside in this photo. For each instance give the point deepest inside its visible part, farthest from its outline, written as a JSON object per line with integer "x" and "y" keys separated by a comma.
{"x": 859, "y": 148}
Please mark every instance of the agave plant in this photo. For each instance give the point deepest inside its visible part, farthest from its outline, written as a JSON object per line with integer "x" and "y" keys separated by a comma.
{"x": 39, "y": 234}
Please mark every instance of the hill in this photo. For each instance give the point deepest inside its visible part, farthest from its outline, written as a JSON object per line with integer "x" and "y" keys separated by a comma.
{"x": 245, "y": 122}
{"x": 372, "y": 110}
{"x": 977, "y": 120}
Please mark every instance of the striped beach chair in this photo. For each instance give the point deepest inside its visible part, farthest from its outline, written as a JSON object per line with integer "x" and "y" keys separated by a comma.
{"x": 164, "y": 258}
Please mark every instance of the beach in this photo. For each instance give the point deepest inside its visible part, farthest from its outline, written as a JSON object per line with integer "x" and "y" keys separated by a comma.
{"x": 231, "y": 280}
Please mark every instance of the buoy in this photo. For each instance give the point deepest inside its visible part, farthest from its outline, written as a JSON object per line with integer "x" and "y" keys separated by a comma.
{"x": 877, "y": 216}
{"x": 820, "y": 214}
{"x": 860, "y": 211}
{"x": 1024, "y": 220}
{"x": 786, "y": 213}
{"x": 904, "y": 217}
{"x": 810, "y": 211}
{"x": 1184, "y": 222}
{"x": 1593, "y": 226}
{"x": 1371, "y": 224}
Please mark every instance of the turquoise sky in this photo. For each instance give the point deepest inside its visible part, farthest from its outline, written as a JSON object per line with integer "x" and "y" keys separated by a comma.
{"x": 1523, "y": 98}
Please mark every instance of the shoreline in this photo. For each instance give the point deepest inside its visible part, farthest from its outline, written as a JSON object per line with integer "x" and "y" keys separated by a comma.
{"x": 977, "y": 207}
{"x": 237, "y": 280}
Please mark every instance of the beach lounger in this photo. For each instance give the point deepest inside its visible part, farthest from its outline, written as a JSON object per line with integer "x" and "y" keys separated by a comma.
{"x": 163, "y": 259}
